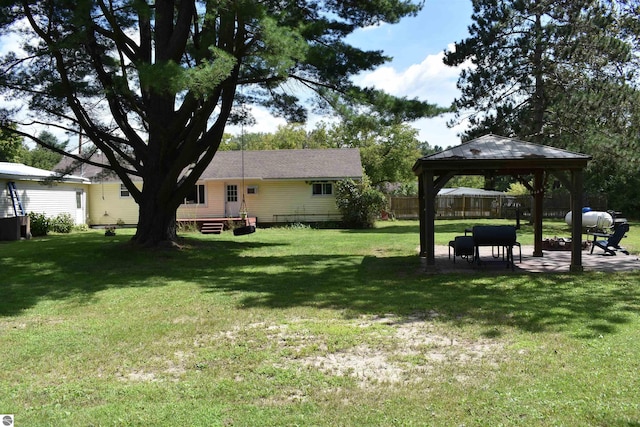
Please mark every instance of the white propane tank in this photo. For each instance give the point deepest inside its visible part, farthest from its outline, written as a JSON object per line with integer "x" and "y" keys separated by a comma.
{"x": 593, "y": 219}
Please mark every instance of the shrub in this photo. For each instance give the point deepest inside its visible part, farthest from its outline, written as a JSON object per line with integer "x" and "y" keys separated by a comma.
{"x": 80, "y": 227}
{"x": 297, "y": 226}
{"x": 359, "y": 203}
{"x": 62, "y": 223}
{"x": 39, "y": 224}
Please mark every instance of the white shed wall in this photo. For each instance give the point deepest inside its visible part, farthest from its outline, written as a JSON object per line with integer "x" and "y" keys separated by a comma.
{"x": 50, "y": 200}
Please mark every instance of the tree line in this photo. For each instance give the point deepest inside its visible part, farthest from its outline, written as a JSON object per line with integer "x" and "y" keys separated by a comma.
{"x": 13, "y": 149}
{"x": 388, "y": 152}
{"x": 562, "y": 73}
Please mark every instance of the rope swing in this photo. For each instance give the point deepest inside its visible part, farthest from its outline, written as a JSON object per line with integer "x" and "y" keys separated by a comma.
{"x": 243, "y": 204}
{"x": 246, "y": 228}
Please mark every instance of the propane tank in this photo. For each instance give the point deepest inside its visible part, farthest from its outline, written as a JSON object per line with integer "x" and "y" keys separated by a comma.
{"x": 593, "y": 219}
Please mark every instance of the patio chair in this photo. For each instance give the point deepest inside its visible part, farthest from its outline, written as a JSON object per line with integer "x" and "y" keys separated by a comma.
{"x": 463, "y": 247}
{"x": 612, "y": 243}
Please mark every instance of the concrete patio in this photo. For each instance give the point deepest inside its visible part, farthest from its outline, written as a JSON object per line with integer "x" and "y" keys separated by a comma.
{"x": 551, "y": 262}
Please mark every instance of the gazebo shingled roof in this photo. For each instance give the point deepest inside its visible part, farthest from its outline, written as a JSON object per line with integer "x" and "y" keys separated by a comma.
{"x": 493, "y": 155}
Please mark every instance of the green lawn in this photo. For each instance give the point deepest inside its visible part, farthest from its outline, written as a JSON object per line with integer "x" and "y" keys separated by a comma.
{"x": 308, "y": 327}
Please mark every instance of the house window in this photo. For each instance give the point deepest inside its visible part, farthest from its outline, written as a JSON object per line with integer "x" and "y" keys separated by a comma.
{"x": 252, "y": 189}
{"x": 124, "y": 192}
{"x": 195, "y": 196}
{"x": 322, "y": 188}
{"x": 232, "y": 193}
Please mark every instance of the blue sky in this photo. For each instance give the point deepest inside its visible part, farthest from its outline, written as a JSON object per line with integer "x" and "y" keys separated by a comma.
{"x": 417, "y": 45}
{"x": 440, "y": 23}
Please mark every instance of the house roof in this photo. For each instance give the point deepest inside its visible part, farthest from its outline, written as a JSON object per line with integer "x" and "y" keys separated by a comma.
{"x": 92, "y": 172}
{"x": 500, "y": 153}
{"x": 18, "y": 171}
{"x": 286, "y": 164}
{"x": 308, "y": 164}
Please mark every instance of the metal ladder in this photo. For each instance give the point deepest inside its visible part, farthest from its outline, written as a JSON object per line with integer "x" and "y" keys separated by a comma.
{"x": 15, "y": 199}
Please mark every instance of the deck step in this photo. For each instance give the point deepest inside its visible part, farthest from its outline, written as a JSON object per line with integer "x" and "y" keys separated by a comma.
{"x": 212, "y": 228}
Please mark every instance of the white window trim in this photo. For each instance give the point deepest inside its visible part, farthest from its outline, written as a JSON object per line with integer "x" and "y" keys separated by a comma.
{"x": 323, "y": 185}
{"x": 124, "y": 192}
{"x": 197, "y": 202}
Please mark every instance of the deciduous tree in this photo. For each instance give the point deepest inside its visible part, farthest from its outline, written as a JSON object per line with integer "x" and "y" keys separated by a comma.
{"x": 12, "y": 147}
{"x": 388, "y": 151}
{"x": 43, "y": 157}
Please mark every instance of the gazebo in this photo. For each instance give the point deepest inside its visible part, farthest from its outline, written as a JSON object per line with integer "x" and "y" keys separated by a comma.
{"x": 491, "y": 156}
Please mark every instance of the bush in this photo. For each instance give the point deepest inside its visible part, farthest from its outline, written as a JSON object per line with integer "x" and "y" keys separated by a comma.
{"x": 39, "y": 224}
{"x": 359, "y": 203}
{"x": 62, "y": 223}
{"x": 81, "y": 227}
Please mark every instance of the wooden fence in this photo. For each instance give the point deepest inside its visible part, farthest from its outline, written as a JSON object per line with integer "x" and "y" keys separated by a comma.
{"x": 459, "y": 206}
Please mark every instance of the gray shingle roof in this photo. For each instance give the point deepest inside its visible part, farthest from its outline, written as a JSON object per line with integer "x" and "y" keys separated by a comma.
{"x": 92, "y": 172}
{"x": 286, "y": 164}
{"x": 503, "y": 148}
{"x": 322, "y": 164}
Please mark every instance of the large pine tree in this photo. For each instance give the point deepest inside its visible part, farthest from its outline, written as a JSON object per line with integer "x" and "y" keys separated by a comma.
{"x": 533, "y": 58}
{"x": 562, "y": 73}
{"x": 153, "y": 83}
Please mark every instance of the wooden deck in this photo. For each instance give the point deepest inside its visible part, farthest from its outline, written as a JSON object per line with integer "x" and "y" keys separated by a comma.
{"x": 216, "y": 225}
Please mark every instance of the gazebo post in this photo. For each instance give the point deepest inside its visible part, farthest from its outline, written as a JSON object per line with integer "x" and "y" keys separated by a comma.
{"x": 421, "y": 215}
{"x": 538, "y": 200}
{"x": 428, "y": 227}
{"x": 577, "y": 179}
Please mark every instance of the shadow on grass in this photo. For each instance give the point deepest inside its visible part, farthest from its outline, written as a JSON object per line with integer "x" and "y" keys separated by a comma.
{"x": 533, "y": 303}
{"x": 77, "y": 266}
{"x": 80, "y": 266}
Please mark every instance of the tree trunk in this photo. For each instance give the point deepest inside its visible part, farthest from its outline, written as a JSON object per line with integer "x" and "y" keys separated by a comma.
{"x": 156, "y": 224}
{"x": 157, "y": 216}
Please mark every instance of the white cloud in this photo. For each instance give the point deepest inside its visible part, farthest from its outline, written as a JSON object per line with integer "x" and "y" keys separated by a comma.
{"x": 431, "y": 80}
{"x": 265, "y": 122}
{"x": 10, "y": 43}
{"x": 436, "y": 132}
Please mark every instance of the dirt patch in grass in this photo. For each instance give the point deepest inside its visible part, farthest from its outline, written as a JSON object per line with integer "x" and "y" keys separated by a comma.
{"x": 361, "y": 362}
{"x": 158, "y": 369}
{"x": 405, "y": 350}
{"x": 370, "y": 349}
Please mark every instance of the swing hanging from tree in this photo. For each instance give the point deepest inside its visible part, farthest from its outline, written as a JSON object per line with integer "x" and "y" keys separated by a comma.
{"x": 247, "y": 228}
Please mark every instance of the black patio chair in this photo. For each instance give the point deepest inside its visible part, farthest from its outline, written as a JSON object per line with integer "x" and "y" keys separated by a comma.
{"x": 611, "y": 244}
{"x": 463, "y": 247}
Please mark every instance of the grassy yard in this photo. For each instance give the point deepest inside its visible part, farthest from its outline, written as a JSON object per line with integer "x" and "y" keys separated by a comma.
{"x": 308, "y": 327}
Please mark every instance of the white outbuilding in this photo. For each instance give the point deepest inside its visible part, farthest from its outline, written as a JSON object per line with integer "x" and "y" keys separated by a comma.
{"x": 25, "y": 189}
